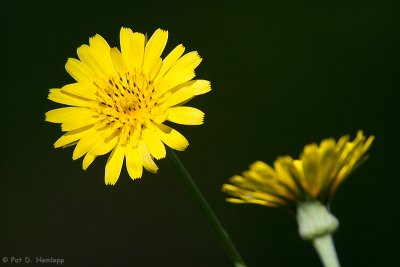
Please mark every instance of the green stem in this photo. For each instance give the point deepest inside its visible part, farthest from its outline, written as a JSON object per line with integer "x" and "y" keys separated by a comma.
{"x": 230, "y": 248}
{"x": 326, "y": 250}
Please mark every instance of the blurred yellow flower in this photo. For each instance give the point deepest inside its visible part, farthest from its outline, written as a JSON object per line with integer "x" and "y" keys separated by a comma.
{"x": 122, "y": 98}
{"x": 315, "y": 176}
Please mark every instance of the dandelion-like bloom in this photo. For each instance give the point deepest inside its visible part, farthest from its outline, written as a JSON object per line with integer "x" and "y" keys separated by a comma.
{"x": 304, "y": 185}
{"x": 122, "y": 98}
{"x": 315, "y": 176}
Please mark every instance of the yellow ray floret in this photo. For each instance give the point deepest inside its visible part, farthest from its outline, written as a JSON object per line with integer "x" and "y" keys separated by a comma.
{"x": 315, "y": 175}
{"x": 122, "y": 98}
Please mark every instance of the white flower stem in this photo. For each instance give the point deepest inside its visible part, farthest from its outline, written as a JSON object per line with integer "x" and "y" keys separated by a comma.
{"x": 326, "y": 250}
{"x": 317, "y": 224}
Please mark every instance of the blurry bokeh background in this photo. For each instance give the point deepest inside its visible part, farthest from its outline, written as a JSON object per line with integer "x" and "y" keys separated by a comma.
{"x": 284, "y": 74}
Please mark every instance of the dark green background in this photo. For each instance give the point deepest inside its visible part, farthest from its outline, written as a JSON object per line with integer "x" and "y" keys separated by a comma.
{"x": 284, "y": 74}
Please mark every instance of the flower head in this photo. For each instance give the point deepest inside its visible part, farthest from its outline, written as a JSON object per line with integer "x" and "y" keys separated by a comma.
{"x": 315, "y": 176}
{"x": 122, "y": 98}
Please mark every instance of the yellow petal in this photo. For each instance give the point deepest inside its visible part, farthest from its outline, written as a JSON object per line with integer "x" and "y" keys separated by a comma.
{"x": 117, "y": 59}
{"x": 186, "y": 115}
{"x": 87, "y": 160}
{"x": 114, "y": 165}
{"x": 80, "y": 90}
{"x": 148, "y": 162}
{"x": 105, "y": 146}
{"x": 311, "y": 167}
{"x": 328, "y": 161}
{"x": 155, "y": 69}
{"x": 90, "y": 58}
{"x": 80, "y": 72}
{"x": 67, "y": 113}
{"x": 101, "y": 51}
{"x": 125, "y": 37}
{"x": 76, "y": 124}
{"x": 172, "y": 138}
{"x": 154, "y": 144}
{"x": 340, "y": 176}
{"x": 72, "y": 118}
{"x": 134, "y": 162}
{"x": 132, "y": 48}
{"x": 181, "y": 96}
{"x": 85, "y": 120}
{"x": 182, "y": 71}
{"x": 282, "y": 171}
{"x": 153, "y": 50}
{"x": 170, "y": 60}
{"x": 187, "y": 63}
{"x": 298, "y": 165}
{"x": 249, "y": 196}
{"x": 351, "y": 157}
{"x": 59, "y": 96}
{"x": 263, "y": 169}
{"x": 137, "y": 44}
{"x": 201, "y": 87}
{"x": 72, "y": 136}
{"x": 368, "y": 144}
{"x": 86, "y": 143}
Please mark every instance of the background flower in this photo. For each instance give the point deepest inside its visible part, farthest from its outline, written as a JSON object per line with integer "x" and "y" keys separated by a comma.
{"x": 122, "y": 98}
{"x": 304, "y": 185}
{"x": 314, "y": 176}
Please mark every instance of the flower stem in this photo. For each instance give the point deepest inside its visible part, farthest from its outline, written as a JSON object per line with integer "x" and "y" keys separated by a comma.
{"x": 317, "y": 223}
{"x": 326, "y": 250}
{"x": 223, "y": 236}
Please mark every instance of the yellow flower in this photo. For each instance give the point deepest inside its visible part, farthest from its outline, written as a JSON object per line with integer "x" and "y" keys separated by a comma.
{"x": 315, "y": 176}
{"x": 121, "y": 100}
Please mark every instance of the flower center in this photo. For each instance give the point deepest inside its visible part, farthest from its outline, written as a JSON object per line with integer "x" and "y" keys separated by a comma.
{"x": 128, "y": 103}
